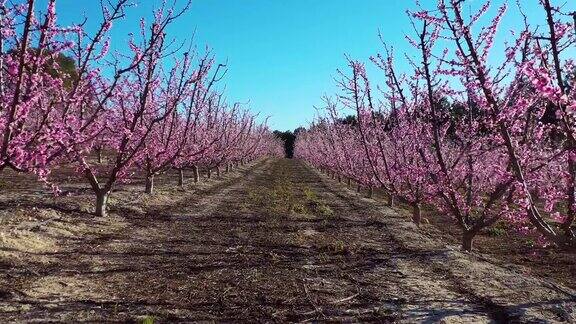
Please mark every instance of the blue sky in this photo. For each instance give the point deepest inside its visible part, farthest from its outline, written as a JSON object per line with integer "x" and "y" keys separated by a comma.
{"x": 282, "y": 54}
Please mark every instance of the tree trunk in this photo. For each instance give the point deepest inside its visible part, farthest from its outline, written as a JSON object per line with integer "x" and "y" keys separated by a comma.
{"x": 209, "y": 173}
{"x": 99, "y": 155}
{"x": 349, "y": 182}
{"x": 196, "y": 173}
{"x": 150, "y": 184}
{"x": 339, "y": 179}
{"x": 102, "y": 203}
{"x": 181, "y": 178}
{"x": 227, "y": 167}
{"x": 371, "y": 192}
{"x": 218, "y": 171}
{"x": 467, "y": 238}
{"x": 391, "y": 200}
{"x": 416, "y": 214}
{"x": 358, "y": 188}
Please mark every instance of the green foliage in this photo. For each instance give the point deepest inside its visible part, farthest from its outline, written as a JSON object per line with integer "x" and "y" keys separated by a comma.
{"x": 310, "y": 195}
{"x": 324, "y": 210}
{"x": 496, "y": 231}
{"x": 289, "y": 139}
{"x": 299, "y": 209}
{"x": 348, "y": 120}
{"x": 339, "y": 247}
{"x": 283, "y": 197}
{"x": 67, "y": 70}
{"x": 499, "y": 229}
{"x": 146, "y": 320}
{"x": 316, "y": 205}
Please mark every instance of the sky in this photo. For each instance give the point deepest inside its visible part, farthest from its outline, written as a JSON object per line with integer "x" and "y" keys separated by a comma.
{"x": 282, "y": 55}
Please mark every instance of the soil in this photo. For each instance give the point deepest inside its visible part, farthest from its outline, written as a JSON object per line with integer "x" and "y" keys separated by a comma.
{"x": 274, "y": 242}
{"x": 502, "y": 244}
{"x": 505, "y": 246}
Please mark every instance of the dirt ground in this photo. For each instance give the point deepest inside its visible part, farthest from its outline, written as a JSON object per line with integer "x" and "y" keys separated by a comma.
{"x": 276, "y": 241}
{"x": 504, "y": 245}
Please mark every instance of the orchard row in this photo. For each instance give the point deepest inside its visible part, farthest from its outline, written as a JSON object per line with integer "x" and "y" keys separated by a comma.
{"x": 478, "y": 137}
{"x": 153, "y": 106}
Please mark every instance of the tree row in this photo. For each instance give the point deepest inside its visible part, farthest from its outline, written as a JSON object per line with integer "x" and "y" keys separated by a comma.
{"x": 151, "y": 105}
{"x": 483, "y": 138}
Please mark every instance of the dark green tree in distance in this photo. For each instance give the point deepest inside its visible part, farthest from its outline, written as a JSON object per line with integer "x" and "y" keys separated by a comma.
{"x": 289, "y": 139}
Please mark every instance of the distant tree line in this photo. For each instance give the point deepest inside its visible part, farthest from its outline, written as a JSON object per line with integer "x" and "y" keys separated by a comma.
{"x": 289, "y": 138}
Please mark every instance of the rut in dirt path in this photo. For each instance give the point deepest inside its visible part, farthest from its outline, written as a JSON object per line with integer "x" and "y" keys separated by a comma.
{"x": 278, "y": 244}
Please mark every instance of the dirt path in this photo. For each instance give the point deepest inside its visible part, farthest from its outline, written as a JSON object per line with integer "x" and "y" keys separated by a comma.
{"x": 282, "y": 243}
